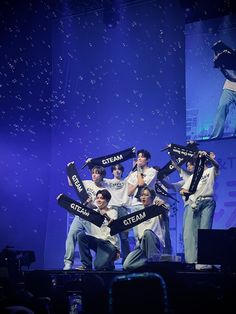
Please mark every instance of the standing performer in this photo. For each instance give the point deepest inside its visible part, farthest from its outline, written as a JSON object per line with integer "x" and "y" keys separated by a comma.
{"x": 225, "y": 61}
{"x": 99, "y": 239}
{"x": 151, "y": 236}
{"x": 143, "y": 176}
{"x": 120, "y": 202}
{"x": 200, "y": 208}
{"x": 78, "y": 224}
{"x": 227, "y": 99}
{"x": 176, "y": 186}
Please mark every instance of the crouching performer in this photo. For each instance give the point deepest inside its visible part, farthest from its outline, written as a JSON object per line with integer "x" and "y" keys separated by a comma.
{"x": 151, "y": 235}
{"x": 99, "y": 240}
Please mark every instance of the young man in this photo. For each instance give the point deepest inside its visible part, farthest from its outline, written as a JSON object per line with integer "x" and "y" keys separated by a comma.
{"x": 183, "y": 173}
{"x": 143, "y": 176}
{"x": 227, "y": 100}
{"x": 120, "y": 202}
{"x": 99, "y": 239}
{"x": 199, "y": 210}
{"x": 176, "y": 186}
{"x": 151, "y": 236}
{"x": 224, "y": 60}
{"x": 78, "y": 224}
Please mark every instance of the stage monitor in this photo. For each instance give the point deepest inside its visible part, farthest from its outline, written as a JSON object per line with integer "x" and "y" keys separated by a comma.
{"x": 217, "y": 247}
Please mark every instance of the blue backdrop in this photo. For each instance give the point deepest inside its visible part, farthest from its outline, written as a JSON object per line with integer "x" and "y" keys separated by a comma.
{"x": 113, "y": 88}
{"x": 82, "y": 86}
{"x": 204, "y": 83}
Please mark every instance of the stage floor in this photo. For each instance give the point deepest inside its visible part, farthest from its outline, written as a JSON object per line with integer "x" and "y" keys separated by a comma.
{"x": 188, "y": 290}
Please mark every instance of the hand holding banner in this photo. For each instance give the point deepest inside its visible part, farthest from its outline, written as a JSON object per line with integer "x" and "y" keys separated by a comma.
{"x": 78, "y": 209}
{"x": 109, "y": 160}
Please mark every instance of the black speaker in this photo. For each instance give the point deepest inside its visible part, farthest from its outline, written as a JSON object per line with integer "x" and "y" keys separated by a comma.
{"x": 217, "y": 247}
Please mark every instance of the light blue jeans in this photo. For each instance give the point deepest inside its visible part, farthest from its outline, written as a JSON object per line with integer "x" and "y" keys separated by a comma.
{"x": 168, "y": 246}
{"x": 228, "y": 97}
{"x": 148, "y": 250}
{"x": 76, "y": 227}
{"x": 199, "y": 218}
{"x": 105, "y": 252}
{"x": 124, "y": 235}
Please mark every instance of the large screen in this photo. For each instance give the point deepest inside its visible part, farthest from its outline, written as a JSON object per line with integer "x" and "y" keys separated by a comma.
{"x": 211, "y": 79}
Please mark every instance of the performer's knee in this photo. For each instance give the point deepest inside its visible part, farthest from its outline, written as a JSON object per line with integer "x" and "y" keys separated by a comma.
{"x": 147, "y": 234}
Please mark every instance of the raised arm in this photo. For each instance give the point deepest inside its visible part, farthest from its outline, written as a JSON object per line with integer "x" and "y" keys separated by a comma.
{"x": 211, "y": 158}
{"x": 215, "y": 164}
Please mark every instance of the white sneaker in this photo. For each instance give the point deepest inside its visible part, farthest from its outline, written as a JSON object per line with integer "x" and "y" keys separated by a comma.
{"x": 67, "y": 266}
{"x": 203, "y": 267}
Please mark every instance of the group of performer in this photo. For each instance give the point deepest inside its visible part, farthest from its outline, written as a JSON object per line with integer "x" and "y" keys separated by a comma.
{"x": 141, "y": 202}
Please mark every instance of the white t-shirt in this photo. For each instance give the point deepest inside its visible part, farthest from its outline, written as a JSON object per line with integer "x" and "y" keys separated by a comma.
{"x": 230, "y": 85}
{"x": 177, "y": 186}
{"x": 119, "y": 192}
{"x": 92, "y": 188}
{"x": 184, "y": 174}
{"x": 104, "y": 231}
{"x": 205, "y": 186}
{"x": 149, "y": 177}
{"x": 153, "y": 224}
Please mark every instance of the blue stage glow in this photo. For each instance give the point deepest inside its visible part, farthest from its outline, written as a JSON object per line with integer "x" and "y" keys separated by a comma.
{"x": 73, "y": 88}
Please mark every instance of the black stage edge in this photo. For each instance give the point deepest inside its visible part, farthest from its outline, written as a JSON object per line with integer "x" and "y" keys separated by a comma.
{"x": 188, "y": 291}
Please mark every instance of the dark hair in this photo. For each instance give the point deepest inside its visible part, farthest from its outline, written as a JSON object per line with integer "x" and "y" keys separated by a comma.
{"x": 151, "y": 191}
{"x": 192, "y": 161}
{"x": 118, "y": 166}
{"x": 105, "y": 193}
{"x": 100, "y": 170}
{"x": 144, "y": 153}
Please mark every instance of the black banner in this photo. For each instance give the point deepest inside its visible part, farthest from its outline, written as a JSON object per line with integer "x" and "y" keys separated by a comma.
{"x": 181, "y": 154}
{"x": 159, "y": 190}
{"x": 134, "y": 219}
{"x": 198, "y": 171}
{"x": 169, "y": 168}
{"x": 76, "y": 182}
{"x": 109, "y": 160}
{"x": 179, "y": 151}
{"x": 80, "y": 210}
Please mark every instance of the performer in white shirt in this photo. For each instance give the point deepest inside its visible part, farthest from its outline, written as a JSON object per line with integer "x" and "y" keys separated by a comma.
{"x": 200, "y": 207}
{"x": 99, "y": 240}
{"x": 143, "y": 176}
{"x": 78, "y": 224}
{"x": 151, "y": 235}
{"x": 120, "y": 201}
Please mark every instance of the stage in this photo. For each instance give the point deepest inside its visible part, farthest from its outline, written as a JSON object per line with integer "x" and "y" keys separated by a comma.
{"x": 171, "y": 287}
